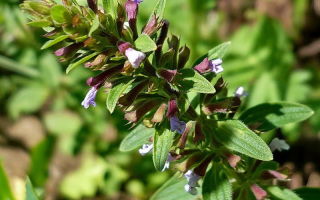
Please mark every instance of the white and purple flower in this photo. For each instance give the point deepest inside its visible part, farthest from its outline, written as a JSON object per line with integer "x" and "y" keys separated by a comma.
{"x": 240, "y": 92}
{"x": 145, "y": 149}
{"x": 168, "y": 161}
{"x": 134, "y": 57}
{"x": 192, "y": 179}
{"x": 90, "y": 98}
{"x": 216, "y": 65}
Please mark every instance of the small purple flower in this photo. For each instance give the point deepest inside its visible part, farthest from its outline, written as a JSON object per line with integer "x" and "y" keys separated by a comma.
{"x": 134, "y": 57}
{"x": 177, "y": 125}
{"x": 168, "y": 161}
{"x": 216, "y": 65}
{"x": 137, "y": 1}
{"x": 145, "y": 149}
{"x": 192, "y": 179}
{"x": 90, "y": 98}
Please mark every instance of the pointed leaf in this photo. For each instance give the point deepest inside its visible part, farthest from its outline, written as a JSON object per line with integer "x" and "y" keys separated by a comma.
{"x": 114, "y": 95}
{"x": 268, "y": 116}
{"x": 72, "y": 66}
{"x": 234, "y": 135}
{"x": 50, "y": 43}
{"x": 282, "y": 194}
{"x": 30, "y": 194}
{"x": 219, "y": 51}
{"x": 216, "y": 185}
{"x": 192, "y": 81}
{"x": 145, "y": 44}
{"x": 159, "y": 9}
{"x": 136, "y": 138}
{"x": 5, "y": 192}
{"x": 162, "y": 144}
{"x": 110, "y": 7}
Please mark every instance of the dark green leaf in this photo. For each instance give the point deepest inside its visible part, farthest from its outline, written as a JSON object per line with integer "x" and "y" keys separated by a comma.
{"x": 269, "y": 116}
{"x": 162, "y": 144}
{"x": 136, "y": 138}
{"x": 5, "y": 192}
{"x": 50, "y": 43}
{"x": 145, "y": 44}
{"x": 237, "y": 137}
{"x": 216, "y": 185}
{"x": 72, "y": 66}
{"x": 95, "y": 25}
{"x": 192, "y": 81}
{"x": 173, "y": 189}
{"x": 60, "y": 14}
{"x": 308, "y": 193}
{"x": 114, "y": 95}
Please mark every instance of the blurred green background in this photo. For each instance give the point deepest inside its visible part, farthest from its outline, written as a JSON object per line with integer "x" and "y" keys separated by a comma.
{"x": 72, "y": 153}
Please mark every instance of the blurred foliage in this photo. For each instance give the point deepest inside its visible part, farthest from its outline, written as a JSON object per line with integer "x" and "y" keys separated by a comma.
{"x": 263, "y": 58}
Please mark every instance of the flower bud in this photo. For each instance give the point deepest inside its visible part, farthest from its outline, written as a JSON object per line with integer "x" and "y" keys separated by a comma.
{"x": 258, "y": 192}
{"x": 99, "y": 80}
{"x": 159, "y": 114}
{"x": 93, "y": 5}
{"x": 152, "y": 26}
{"x": 135, "y": 115}
{"x": 203, "y": 67}
{"x": 233, "y": 160}
{"x": 66, "y": 51}
{"x": 198, "y": 134}
{"x": 168, "y": 74}
{"x": 183, "y": 56}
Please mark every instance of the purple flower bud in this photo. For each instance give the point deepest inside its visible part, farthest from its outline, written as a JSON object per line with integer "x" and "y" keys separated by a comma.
{"x": 275, "y": 174}
{"x": 177, "y": 125}
{"x": 152, "y": 26}
{"x": 132, "y": 9}
{"x": 90, "y": 98}
{"x": 172, "y": 108}
{"x": 99, "y": 80}
{"x": 203, "y": 67}
{"x": 123, "y": 46}
{"x": 233, "y": 160}
{"x": 258, "y": 192}
{"x": 93, "y": 5}
{"x": 134, "y": 57}
{"x": 168, "y": 74}
{"x": 216, "y": 66}
{"x": 65, "y": 51}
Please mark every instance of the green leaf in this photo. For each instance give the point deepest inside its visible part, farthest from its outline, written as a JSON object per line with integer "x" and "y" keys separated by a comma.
{"x": 95, "y": 25}
{"x": 219, "y": 51}
{"x": 308, "y": 193}
{"x": 145, "y": 44}
{"x": 282, "y": 194}
{"x": 216, "y": 185}
{"x": 62, "y": 122}
{"x": 264, "y": 166}
{"x": 173, "y": 189}
{"x": 5, "y": 192}
{"x": 72, "y": 66}
{"x": 114, "y": 95}
{"x": 162, "y": 144}
{"x": 13, "y": 66}
{"x": 136, "y": 138}
{"x": 237, "y": 137}
{"x": 192, "y": 81}
{"x": 39, "y": 23}
{"x": 30, "y": 193}
{"x": 159, "y": 9}
{"x": 50, "y": 43}
{"x": 60, "y": 14}
{"x": 269, "y": 116}
{"x": 110, "y": 7}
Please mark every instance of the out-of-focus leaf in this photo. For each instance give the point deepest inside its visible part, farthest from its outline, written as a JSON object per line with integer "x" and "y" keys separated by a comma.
{"x": 62, "y": 122}
{"x": 282, "y": 194}
{"x": 51, "y": 72}
{"x": 60, "y": 14}
{"x": 75, "y": 64}
{"x": 216, "y": 185}
{"x": 298, "y": 88}
{"x": 95, "y": 25}
{"x": 50, "y": 43}
{"x": 161, "y": 147}
{"x": 27, "y": 100}
{"x": 5, "y": 192}
{"x": 110, "y": 7}
{"x": 173, "y": 189}
{"x": 219, "y": 51}
{"x": 308, "y": 193}
{"x": 10, "y": 65}
{"x": 30, "y": 193}
{"x": 137, "y": 137}
{"x": 192, "y": 81}
{"x": 234, "y": 135}
{"x": 159, "y": 9}
{"x": 265, "y": 117}
{"x": 114, "y": 95}
{"x": 40, "y": 23}
{"x": 145, "y": 44}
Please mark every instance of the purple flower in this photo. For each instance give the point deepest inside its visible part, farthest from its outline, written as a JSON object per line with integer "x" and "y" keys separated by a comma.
{"x": 192, "y": 179}
{"x": 168, "y": 161}
{"x": 90, "y": 98}
{"x": 177, "y": 125}
{"x": 216, "y": 66}
{"x": 145, "y": 149}
{"x": 137, "y": 1}
{"x": 134, "y": 57}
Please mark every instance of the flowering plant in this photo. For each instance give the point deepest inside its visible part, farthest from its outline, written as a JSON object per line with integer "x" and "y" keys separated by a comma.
{"x": 180, "y": 111}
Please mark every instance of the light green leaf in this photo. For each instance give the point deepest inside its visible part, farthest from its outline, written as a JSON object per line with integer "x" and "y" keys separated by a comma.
{"x": 72, "y": 66}
{"x": 62, "y": 122}
{"x": 219, "y": 51}
{"x": 216, "y": 185}
{"x": 50, "y": 43}
{"x": 114, "y": 95}
{"x": 5, "y": 192}
{"x": 145, "y": 44}
{"x": 136, "y": 138}
{"x": 173, "y": 189}
{"x": 192, "y": 81}
{"x": 95, "y": 25}
{"x": 308, "y": 193}
{"x": 282, "y": 194}
{"x": 269, "y": 116}
{"x": 110, "y": 7}
{"x": 159, "y": 9}
{"x": 234, "y": 135}
{"x": 13, "y": 66}
{"x": 39, "y": 23}
{"x": 30, "y": 193}
{"x": 60, "y": 14}
{"x": 161, "y": 147}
